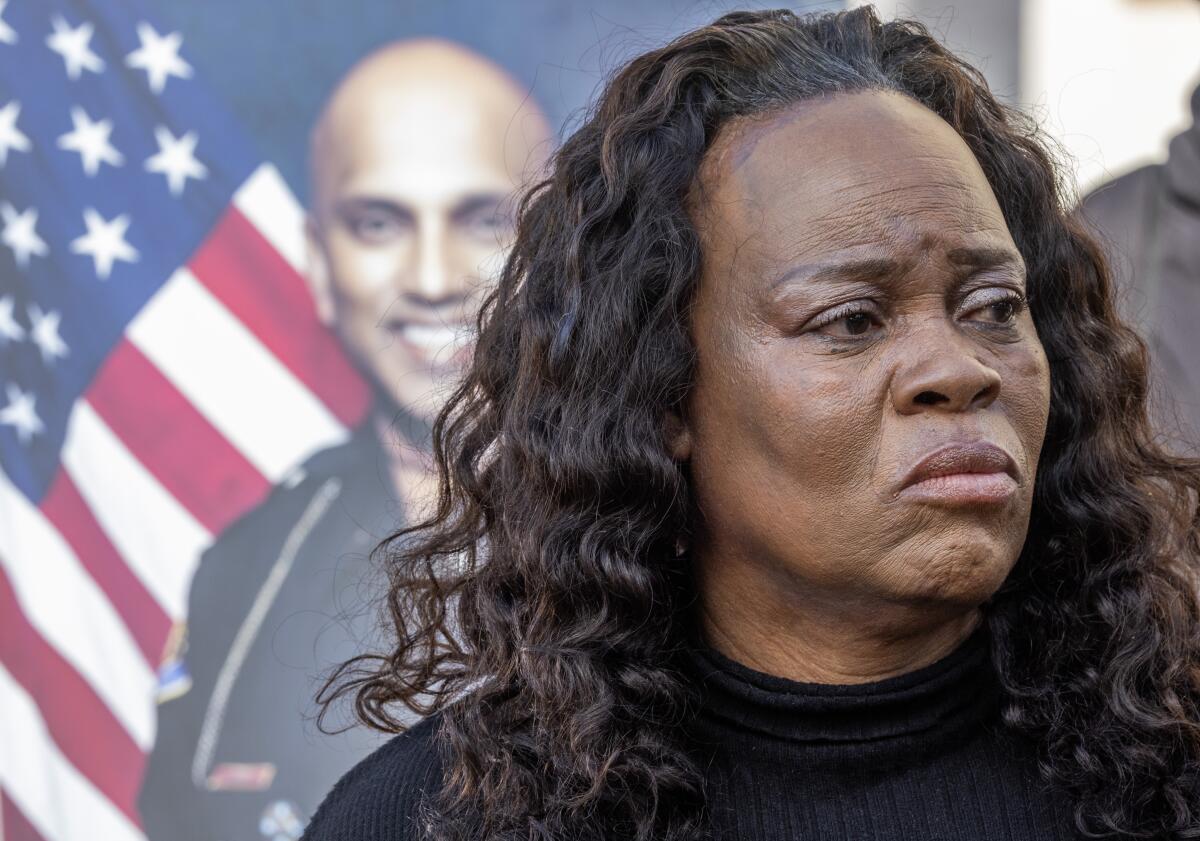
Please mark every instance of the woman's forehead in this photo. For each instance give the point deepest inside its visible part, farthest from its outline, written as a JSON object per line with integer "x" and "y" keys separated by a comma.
{"x": 863, "y": 167}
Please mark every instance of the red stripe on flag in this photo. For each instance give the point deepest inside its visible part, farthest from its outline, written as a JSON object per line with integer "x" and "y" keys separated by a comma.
{"x": 13, "y": 825}
{"x": 80, "y": 723}
{"x": 138, "y": 609}
{"x": 243, "y": 270}
{"x": 187, "y": 455}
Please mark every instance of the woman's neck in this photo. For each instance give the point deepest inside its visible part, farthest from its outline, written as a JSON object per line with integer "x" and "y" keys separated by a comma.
{"x": 829, "y": 638}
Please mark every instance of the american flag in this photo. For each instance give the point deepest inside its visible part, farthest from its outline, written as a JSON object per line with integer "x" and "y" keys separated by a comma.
{"x": 161, "y": 367}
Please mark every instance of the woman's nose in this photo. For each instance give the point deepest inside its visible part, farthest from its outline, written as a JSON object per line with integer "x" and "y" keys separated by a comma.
{"x": 939, "y": 367}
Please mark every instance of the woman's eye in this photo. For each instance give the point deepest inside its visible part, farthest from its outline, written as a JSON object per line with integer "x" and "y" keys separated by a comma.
{"x": 854, "y": 322}
{"x": 1004, "y": 310}
{"x": 1007, "y": 308}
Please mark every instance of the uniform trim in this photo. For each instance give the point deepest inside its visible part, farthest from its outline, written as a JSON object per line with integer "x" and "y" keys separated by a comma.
{"x": 214, "y": 714}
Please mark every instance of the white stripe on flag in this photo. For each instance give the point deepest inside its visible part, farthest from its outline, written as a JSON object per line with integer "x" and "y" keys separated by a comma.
{"x": 158, "y": 538}
{"x": 66, "y": 607}
{"x": 56, "y": 798}
{"x": 267, "y": 202}
{"x": 231, "y": 378}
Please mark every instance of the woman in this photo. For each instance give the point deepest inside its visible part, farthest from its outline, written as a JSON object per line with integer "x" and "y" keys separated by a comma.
{"x": 801, "y": 487}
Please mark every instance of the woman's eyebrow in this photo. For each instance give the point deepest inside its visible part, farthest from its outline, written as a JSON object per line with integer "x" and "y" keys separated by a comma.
{"x": 985, "y": 257}
{"x": 865, "y": 268}
{"x": 873, "y": 268}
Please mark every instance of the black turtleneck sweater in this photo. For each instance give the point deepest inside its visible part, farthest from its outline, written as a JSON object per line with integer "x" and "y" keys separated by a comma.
{"x": 919, "y": 757}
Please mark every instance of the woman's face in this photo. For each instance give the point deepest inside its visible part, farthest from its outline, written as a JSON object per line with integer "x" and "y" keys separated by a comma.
{"x": 860, "y": 307}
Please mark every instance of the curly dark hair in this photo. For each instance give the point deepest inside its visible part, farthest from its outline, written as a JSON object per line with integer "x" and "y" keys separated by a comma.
{"x": 542, "y": 606}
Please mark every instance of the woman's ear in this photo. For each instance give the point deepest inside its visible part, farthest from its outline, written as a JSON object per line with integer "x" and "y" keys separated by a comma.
{"x": 678, "y": 436}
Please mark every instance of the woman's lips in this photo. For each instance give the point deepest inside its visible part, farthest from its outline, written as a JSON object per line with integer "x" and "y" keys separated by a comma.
{"x": 962, "y": 488}
{"x": 962, "y": 473}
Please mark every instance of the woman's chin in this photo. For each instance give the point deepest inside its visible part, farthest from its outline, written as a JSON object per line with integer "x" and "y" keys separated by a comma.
{"x": 955, "y": 577}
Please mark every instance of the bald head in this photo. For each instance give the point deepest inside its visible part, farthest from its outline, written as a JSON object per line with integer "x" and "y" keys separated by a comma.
{"x": 415, "y": 162}
{"x": 413, "y": 105}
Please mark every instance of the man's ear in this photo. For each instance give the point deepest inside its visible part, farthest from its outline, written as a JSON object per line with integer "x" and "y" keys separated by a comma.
{"x": 320, "y": 283}
{"x": 678, "y": 436}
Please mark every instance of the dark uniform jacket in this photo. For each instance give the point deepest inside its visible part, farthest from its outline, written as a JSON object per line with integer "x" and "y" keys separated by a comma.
{"x": 1149, "y": 220}
{"x": 286, "y": 593}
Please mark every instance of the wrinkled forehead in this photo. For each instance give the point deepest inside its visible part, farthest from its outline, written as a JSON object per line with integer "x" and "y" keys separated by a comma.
{"x": 824, "y": 175}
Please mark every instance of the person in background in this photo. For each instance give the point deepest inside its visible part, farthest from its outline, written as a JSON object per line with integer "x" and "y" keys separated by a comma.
{"x": 415, "y": 161}
{"x": 1149, "y": 221}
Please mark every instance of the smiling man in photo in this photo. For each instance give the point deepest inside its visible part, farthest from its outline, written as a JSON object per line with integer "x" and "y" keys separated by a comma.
{"x": 412, "y": 191}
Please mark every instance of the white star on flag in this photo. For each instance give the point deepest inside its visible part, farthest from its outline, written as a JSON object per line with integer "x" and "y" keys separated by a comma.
{"x": 72, "y": 45}
{"x": 10, "y": 331}
{"x": 7, "y": 34}
{"x": 21, "y": 414}
{"x": 20, "y": 233}
{"x": 43, "y": 332}
{"x": 90, "y": 140}
{"x": 105, "y": 242}
{"x": 176, "y": 159}
{"x": 159, "y": 57}
{"x": 11, "y": 136}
